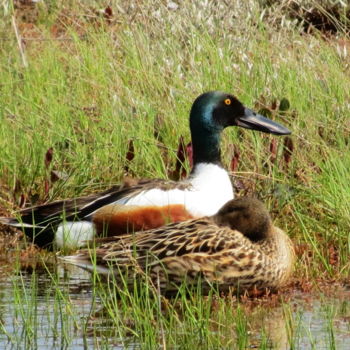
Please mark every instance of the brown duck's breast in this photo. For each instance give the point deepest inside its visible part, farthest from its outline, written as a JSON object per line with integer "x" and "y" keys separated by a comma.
{"x": 116, "y": 219}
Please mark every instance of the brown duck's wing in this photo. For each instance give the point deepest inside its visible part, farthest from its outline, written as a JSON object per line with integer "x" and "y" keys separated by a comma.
{"x": 217, "y": 255}
{"x": 190, "y": 238}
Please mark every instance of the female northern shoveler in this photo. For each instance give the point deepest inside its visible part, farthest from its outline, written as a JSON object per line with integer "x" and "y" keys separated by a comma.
{"x": 154, "y": 202}
{"x": 236, "y": 248}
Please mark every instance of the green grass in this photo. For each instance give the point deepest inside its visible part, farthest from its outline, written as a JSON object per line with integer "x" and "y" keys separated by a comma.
{"x": 57, "y": 308}
{"x": 91, "y": 86}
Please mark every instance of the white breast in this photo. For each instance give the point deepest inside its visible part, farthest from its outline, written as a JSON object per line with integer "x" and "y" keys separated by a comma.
{"x": 211, "y": 189}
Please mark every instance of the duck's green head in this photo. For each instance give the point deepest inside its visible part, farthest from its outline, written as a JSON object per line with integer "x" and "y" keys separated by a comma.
{"x": 246, "y": 215}
{"x": 212, "y": 112}
{"x": 216, "y": 110}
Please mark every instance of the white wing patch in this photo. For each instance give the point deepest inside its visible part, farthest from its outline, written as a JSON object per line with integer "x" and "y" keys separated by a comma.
{"x": 73, "y": 235}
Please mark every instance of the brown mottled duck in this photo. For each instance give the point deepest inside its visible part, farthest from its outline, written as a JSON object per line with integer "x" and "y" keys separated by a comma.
{"x": 236, "y": 248}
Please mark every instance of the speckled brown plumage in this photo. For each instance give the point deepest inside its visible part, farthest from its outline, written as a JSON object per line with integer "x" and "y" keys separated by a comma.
{"x": 260, "y": 255}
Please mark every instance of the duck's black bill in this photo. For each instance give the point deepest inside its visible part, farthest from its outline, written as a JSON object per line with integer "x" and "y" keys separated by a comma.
{"x": 255, "y": 121}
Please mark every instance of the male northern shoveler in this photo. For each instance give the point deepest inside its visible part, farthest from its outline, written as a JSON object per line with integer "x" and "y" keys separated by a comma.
{"x": 154, "y": 202}
{"x": 236, "y": 248}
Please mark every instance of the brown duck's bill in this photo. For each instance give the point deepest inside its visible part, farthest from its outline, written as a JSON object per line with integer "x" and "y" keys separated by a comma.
{"x": 255, "y": 121}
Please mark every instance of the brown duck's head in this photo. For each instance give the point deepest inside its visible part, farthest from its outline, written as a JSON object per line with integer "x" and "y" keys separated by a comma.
{"x": 246, "y": 215}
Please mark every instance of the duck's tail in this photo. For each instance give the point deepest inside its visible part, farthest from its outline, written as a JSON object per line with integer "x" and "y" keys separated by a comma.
{"x": 84, "y": 262}
{"x": 16, "y": 223}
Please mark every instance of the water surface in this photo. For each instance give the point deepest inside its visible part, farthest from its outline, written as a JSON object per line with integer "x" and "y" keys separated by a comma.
{"x": 54, "y": 307}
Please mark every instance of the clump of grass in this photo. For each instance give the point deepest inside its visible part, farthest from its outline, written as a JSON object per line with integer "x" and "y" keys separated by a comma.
{"x": 51, "y": 306}
{"x": 326, "y": 16}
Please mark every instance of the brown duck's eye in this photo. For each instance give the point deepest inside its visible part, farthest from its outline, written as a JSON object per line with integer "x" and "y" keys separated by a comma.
{"x": 228, "y": 101}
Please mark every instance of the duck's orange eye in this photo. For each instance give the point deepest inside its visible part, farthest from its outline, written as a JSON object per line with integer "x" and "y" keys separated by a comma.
{"x": 227, "y": 101}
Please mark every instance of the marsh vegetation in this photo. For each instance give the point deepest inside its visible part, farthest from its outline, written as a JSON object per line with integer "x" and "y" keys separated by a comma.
{"x": 90, "y": 94}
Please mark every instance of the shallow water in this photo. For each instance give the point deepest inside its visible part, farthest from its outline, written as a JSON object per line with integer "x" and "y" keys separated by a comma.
{"x": 33, "y": 315}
